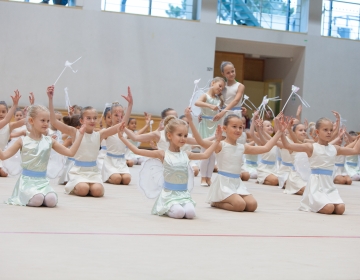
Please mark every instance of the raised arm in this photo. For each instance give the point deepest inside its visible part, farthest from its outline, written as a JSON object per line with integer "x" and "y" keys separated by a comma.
{"x": 256, "y": 139}
{"x": 71, "y": 131}
{"x": 336, "y": 126}
{"x": 70, "y": 152}
{"x": 11, "y": 112}
{"x": 129, "y": 99}
{"x": 147, "y": 137}
{"x": 346, "y": 151}
{"x": 202, "y": 142}
{"x": 146, "y": 126}
{"x": 142, "y": 152}
{"x": 8, "y": 153}
{"x": 306, "y": 147}
{"x": 215, "y": 146}
{"x": 201, "y": 102}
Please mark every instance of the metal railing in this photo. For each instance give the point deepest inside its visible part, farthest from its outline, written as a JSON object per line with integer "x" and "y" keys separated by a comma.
{"x": 341, "y": 19}
{"x": 270, "y": 14}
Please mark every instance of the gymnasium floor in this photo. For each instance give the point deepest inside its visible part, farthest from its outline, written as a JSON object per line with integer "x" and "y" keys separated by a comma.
{"x": 115, "y": 237}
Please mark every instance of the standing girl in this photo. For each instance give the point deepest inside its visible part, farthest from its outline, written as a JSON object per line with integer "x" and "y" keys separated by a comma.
{"x": 175, "y": 200}
{"x": 320, "y": 194}
{"x": 84, "y": 177}
{"x": 33, "y": 187}
{"x": 228, "y": 191}
{"x": 210, "y": 103}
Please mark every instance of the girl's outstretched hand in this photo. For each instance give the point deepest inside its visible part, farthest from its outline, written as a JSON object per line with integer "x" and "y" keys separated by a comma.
{"x": 283, "y": 124}
{"x": 218, "y": 133}
{"x": 187, "y": 113}
{"x": 256, "y": 115}
{"x": 82, "y": 129}
{"x": 129, "y": 97}
{"x": 31, "y": 98}
{"x": 147, "y": 118}
{"x": 306, "y": 124}
{"x": 336, "y": 114}
{"x": 121, "y": 128}
{"x": 16, "y": 98}
{"x": 50, "y": 92}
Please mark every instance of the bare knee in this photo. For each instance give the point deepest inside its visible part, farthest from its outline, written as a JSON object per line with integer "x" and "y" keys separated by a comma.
{"x": 251, "y": 206}
{"x": 97, "y": 190}
{"x": 115, "y": 179}
{"x": 245, "y": 176}
{"x": 195, "y": 170}
{"x": 340, "y": 180}
{"x": 81, "y": 189}
{"x": 239, "y": 205}
{"x": 271, "y": 180}
{"x": 126, "y": 178}
{"x": 130, "y": 163}
{"x": 327, "y": 209}
{"x": 339, "y": 209}
{"x": 348, "y": 180}
{"x": 301, "y": 191}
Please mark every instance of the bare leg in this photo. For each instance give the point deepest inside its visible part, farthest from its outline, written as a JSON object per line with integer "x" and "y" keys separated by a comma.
{"x": 36, "y": 201}
{"x": 96, "y": 190}
{"x": 327, "y": 209}
{"x": 82, "y": 189}
{"x": 339, "y": 209}
{"x": 233, "y": 203}
{"x": 301, "y": 191}
{"x": 130, "y": 163}
{"x": 115, "y": 179}
{"x": 126, "y": 178}
{"x": 340, "y": 180}
{"x": 3, "y": 173}
{"x": 50, "y": 200}
{"x": 271, "y": 180}
{"x": 251, "y": 203}
{"x": 245, "y": 176}
{"x": 196, "y": 170}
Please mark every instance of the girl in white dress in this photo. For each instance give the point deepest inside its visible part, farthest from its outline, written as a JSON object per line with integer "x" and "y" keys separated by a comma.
{"x": 174, "y": 200}
{"x": 352, "y": 162}
{"x": 33, "y": 187}
{"x": 321, "y": 195}
{"x": 102, "y": 153}
{"x": 228, "y": 191}
{"x": 210, "y": 103}
{"x": 84, "y": 177}
{"x": 115, "y": 170}
{"x": 340, "y": 175}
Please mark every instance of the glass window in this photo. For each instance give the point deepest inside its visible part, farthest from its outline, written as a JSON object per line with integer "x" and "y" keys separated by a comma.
{"x": 51, "y": 2}
{"x": 271, "y": 14}
{"x": 182, "y": 9}
{"x": 341, "y": 19}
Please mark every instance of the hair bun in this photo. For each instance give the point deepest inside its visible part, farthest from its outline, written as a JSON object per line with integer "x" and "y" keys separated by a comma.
{"x": 168, "y": 119}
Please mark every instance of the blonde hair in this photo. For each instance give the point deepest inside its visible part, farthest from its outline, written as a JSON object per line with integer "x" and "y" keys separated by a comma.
{"x": 171, "y": 123}
{"x": 216, "y": 80}
{"x": 320, "y": 121}
{"x": 33, "y": 111}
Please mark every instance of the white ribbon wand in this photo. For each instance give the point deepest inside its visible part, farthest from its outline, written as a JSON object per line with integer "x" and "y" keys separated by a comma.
{"x": 196, "y": 82}
{"x": 67, "y": 65}
{"x": 67, "y": 100}
{"x": 294, "y": 90}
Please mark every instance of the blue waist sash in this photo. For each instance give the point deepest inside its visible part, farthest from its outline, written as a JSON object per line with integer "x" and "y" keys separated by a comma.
{"x": 235, "y": 108}
{"x": 103, "y": 147}
{"x": 267, "y": 162}
{"x": 115, "y": 156}
{"x": 351, "y": 163}
{"x": 206, "y": 117}
{"x": 85, "y": 163}
{"x": 319, "y": 171}
{"x": 71, "y": 158}
{"x": 175, "y": 187}
{"x": 251, "y": 162}
{"x": 287, "y": 164}
{"x": 30, "y": 173}
{"x": 339, "y": 164}
{"x": 279, "y": 159}
{"x": 230, "y": 175}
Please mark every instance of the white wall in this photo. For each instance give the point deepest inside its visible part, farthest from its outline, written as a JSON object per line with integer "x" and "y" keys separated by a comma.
{"x": 160, "y": 58}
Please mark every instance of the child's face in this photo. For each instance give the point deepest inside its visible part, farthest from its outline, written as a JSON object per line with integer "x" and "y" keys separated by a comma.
{"x": 268, "y": 127}
{"x": 218, "y": 86}
{"x": 233, "y": 129}
{"x": 132, "y": 125}
{"x": 185, "y": 120}
{"x": 229, "y": 72}
{"x": 108, "y": 120}
{"x": 89, "y": 118}
{"x": 178, "y": 137}
{"x": 40, "y": 122}
{"x": 117, "y": 115}
{"x": 3, "y": 111}
{"x": 243, "y": 122}
{"x": 19, "y": 116}
{"x": 325, "y": 131}
{"x": 300, "y": 132}
{"x": 171, "y": 113}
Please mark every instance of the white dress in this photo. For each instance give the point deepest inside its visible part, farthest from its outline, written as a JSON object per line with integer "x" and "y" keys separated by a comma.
{"x": 227, "y": 181}
{"x": 85, "y": 169}
{"x": 114, "y": 162}
{"x": 339, "y": 168}
{"x": 229, "y": 93}
{"x": 320, "y": 189}
{"x": 351, "y": 165}
{"x": 286, "y": 166}
{"x": 294, "y": 182}
{"x": 57, "y": 161}
{"x": 242, "y": 140}
{"x": 176, "y": 175}
{"x": 102, "y": 154}
{"x": 267, "y": 165}
{"x": 69, "y": 163}
{"x": 4, "y": 138}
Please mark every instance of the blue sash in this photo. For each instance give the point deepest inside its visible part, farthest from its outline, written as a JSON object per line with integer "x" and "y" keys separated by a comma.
{"x": 319, "y": 171}
{"x": 351, "y": 163}
{"x": 339, "y": 164}
{"x": 115, "y": 156}
{"x": 103, "y": 147}
{"x": 230, "y": 175}
{"x": 30, "y": 173}
{"x": 175, "y": 187}
{"x": 206, "y": 117}
{"x": 85, "y": 163}
{"x": 251, "y": 162}
{"x": 267, "y": 162}
{"x": 287, "y": 164}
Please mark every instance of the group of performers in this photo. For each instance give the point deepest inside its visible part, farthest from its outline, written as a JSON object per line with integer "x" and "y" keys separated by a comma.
{"x": 305, "y": 159}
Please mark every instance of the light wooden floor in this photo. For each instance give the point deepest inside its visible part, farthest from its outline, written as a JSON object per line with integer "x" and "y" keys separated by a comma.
{"x": 115, "y": 237}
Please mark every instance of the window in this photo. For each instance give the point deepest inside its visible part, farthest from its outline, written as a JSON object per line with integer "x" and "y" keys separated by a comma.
{"x": 182, "y": 9}
{"x": 341, "y": 19}
{"x": 271, "y": 14}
